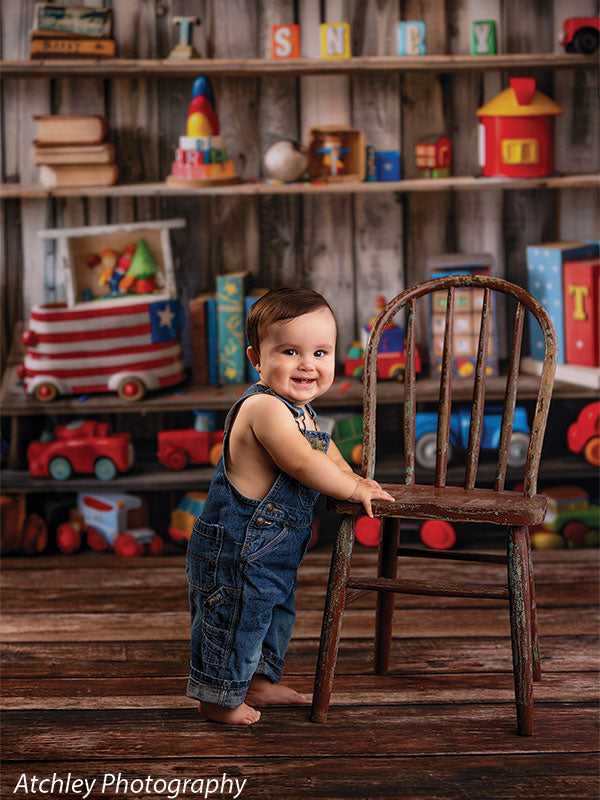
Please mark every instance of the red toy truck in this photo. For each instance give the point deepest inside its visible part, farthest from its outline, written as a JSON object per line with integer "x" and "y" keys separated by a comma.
{"x": 583, "y": 436}
{"x": 580, "y": 34}
{"x": 198, "y": 445}
{"x": 110, "y": 519}
{"x": 81, "y": 446}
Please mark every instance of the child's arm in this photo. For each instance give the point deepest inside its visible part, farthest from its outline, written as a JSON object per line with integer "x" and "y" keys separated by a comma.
{"x": 335, "y": 455}
{"x": 277, "y": 431}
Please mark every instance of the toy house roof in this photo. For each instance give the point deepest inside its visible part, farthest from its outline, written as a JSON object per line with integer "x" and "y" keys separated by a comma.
{"x": 520, "y": 100}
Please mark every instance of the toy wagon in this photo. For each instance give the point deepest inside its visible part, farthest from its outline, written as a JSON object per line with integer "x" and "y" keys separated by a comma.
{"x": 119, "y": 327}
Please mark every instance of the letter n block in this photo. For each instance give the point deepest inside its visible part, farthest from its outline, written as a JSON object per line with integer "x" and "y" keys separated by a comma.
{"x": 335, "y": 40}
{"x": 285, "y": 41}
{"x": 483, "y": 37}
{"x": 411, "y": 38}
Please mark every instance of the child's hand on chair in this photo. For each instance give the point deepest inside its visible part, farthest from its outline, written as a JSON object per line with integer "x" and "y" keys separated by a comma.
{"x": 366, "y": 490}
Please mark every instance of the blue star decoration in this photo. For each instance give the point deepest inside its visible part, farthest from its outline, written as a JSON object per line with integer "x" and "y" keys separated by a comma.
{"x": 165, "y": 320}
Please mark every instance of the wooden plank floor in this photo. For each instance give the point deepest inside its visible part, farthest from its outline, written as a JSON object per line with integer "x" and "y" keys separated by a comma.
{"x": 94, "y": 663}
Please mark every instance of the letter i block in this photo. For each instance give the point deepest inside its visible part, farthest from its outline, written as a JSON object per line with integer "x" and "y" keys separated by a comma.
{"x": 285, "y": 41}
{"x": 335, "y": 40}
{"x": 483, "y": 37}
{"x": 411, "y": 38}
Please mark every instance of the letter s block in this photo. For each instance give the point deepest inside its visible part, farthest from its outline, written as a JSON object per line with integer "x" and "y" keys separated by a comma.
{"x": 335, "y": 40}
{"x": 285, "y": 41}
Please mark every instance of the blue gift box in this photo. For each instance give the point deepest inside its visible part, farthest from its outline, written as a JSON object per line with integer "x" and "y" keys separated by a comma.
{"x": 387, "y": 165}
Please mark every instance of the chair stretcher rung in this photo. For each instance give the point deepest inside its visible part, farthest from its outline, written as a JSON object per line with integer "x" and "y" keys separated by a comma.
{"x": 452, "y": 555}
{"x": 438, "y": 588}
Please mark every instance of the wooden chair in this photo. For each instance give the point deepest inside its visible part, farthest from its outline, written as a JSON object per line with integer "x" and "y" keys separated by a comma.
{"x": 469, "y": 504}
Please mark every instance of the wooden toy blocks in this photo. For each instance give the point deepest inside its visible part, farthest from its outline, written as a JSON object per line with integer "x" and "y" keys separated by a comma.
{"x": 285, "y": 41}
{"x": 483, "y": 38}
{"x": 411, "y": 38}
{"x": 335, "y": 40}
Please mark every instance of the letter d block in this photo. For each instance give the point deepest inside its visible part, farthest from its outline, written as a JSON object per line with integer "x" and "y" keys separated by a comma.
{"x": 335, "y": 40}
{"x": 483, "y": 37}
{"x": 285, "y": 41}
{"x": 411, "y": 38}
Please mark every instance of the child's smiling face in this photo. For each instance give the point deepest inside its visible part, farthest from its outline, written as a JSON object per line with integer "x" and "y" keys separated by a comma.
{"x": 297, "y": 356}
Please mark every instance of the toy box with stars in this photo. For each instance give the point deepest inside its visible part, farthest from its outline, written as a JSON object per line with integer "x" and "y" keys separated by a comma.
{"x": 119, "y": 328}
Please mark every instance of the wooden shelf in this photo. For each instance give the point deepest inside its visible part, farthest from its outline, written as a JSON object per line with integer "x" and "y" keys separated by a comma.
{"x": 154, "y": 478}
{"x": 257, "y": 67}
{"x": 344, "y": 392}
{"x": 459, "y": 183}
{"x": 143, "y": 478}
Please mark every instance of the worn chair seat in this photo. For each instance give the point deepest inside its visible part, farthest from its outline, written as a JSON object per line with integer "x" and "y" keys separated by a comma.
{"x": 455, "y": 504}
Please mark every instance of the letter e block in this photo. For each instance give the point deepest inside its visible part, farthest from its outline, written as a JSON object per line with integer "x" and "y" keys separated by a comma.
{"x": 483, "y": 37}
{"x": 411, "y": 38}
{"x": 285, "y": 41}
{"x": 335, "y": 40}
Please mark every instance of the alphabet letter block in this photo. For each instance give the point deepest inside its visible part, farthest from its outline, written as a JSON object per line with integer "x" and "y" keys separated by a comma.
{"x": 285, "y": 41}
{"x": 411, "y": 38}
{"x": 335, "y": 40}
{"x": 483, "y": 37}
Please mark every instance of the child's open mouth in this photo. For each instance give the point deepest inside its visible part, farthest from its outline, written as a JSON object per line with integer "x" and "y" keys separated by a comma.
{"x": 304, "y": 381}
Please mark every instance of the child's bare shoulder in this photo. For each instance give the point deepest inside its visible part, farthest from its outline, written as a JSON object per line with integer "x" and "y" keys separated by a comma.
{"x": 264, "y": 410}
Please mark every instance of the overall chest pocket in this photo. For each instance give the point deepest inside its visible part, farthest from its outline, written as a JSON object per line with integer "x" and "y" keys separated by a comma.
{"x": 202, "y": 558}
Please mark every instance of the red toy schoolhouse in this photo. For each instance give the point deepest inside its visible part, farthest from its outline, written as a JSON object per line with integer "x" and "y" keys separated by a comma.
{"x": 517, "y": 132}
{"x": 433, "y": 155}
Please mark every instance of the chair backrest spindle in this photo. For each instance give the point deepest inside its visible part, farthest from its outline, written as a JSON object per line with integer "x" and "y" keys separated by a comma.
{"x": 510, "y": 398}
{"x": 443, "y": 431}
{"x": 478, "y": 403}
{"x": 410, "y": 399}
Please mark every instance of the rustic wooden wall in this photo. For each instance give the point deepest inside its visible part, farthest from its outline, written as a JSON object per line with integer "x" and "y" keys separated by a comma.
{"x": 350, "y": 247}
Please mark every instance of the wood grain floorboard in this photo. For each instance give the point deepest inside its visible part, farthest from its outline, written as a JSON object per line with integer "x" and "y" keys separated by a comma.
{"x": 95, "y": 658}
{"x": 560, "y": 776}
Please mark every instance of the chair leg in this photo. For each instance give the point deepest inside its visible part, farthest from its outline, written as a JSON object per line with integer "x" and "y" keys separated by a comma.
{"x": 535, "y": 646}
{"x": 387, "y": 568}
{"x": 520, "y": 624}
{"x": 332, "y": 619}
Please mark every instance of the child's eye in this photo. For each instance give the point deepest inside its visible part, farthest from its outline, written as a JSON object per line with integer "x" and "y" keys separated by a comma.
{"x": 289, "y": 352}
{"x": 320, "y": 353}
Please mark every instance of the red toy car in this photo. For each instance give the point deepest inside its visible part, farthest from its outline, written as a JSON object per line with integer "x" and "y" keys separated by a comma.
{"x": 197, "y": 445}
{"x": 580, "y": 34}
{"x": 81, "y": 446}
{"x": 584, "y": 434}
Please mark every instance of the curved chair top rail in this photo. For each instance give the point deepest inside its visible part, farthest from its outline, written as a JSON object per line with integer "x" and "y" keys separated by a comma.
{"x": 408, "y": 298}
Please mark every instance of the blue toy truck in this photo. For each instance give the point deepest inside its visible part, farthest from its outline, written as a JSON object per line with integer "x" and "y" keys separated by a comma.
{"x": 460, "y": 420}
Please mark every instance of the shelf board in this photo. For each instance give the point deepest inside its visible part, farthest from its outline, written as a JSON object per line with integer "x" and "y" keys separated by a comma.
{"x": 459, "y": 183}
{"x": 258, "y": 67}
{"x": 344, "y": 392}
{"x": 152, "y": 477}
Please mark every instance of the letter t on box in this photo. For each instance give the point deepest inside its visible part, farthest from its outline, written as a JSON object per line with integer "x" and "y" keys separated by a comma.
{"x": 285, "y": 41}
{"x": 483, "y": 38}
{"x": 411, "y": 38}
{"x": 335, "y": 40}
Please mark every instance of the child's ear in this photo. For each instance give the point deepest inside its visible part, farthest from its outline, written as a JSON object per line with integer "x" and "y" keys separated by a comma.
{"x": 254, "y": 357}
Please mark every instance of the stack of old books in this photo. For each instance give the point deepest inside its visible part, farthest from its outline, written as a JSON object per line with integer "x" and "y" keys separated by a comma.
{"x": 71, "y": 31}
{"x": 70, "y": 151}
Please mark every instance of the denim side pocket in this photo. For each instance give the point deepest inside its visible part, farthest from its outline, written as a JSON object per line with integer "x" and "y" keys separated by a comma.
{"x": 202, "y": 558}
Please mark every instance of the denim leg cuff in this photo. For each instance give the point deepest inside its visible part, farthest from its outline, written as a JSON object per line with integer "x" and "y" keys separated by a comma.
{"x": 270, "y": 665}
{"x": 208, "y": 690}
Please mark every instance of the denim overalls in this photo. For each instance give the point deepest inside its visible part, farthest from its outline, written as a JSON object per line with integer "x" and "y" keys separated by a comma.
{"x": 241, "y": 566}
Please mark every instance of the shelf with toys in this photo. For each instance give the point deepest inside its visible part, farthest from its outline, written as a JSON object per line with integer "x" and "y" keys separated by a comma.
{"x": 256, "y": 67}
{"x": 455, "y": 183}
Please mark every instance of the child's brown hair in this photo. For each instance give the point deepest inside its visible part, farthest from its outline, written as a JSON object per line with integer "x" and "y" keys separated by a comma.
{"x": 278, "y": 305}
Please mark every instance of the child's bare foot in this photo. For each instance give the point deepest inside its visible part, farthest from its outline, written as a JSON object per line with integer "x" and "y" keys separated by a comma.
{"x": 240, "y": 715}
{"x": 262, "y": 692}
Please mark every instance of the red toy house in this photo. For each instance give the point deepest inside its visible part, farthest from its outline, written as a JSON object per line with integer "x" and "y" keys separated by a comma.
{"x": 517, "y": 132}
{"x": 433, "y": 155}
